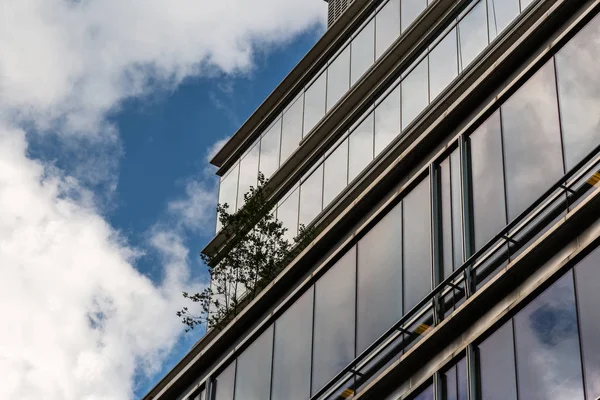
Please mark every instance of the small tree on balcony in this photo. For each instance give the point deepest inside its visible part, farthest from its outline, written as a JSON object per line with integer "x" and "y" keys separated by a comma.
{"x": 257, "y": 257}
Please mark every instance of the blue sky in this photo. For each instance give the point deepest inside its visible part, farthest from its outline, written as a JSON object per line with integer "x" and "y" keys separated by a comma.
{"x": 108, "y": 111}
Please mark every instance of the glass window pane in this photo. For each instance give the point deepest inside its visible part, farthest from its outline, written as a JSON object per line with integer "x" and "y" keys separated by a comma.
{"x": 387, "y": 23}
{"x": 461, "y": 380}
{"x": 363, "y": 51}
{"x": 457, "y": 213}
{"x": 287, "y": 213}
{"x": 531, "y": 141}
{"x": 417, "y": 245}
{"x": 449, "y": 384}
{"x": 225, "y": 382}
{"x": 446, "y": 209}
{"x": 269, "y": 150}
{"x": 292, "y": 129}
{"x": 500, "y": 14}
{"x": 472, "y": 34}
{"x": 579, "y": 93}
{"x": 497, "y": 365}
{"x": 361, "y": 147}
{"x": 587, "y": 275}
{"x": 379, "y": 279}
{"x": 338, "y": 78}
{"x": 411, "y": 9}
{"x": 336, "y": 173}
{"x": 547, "y": 343}
{"x": 291, "y": 358}
{"x": 415, "y": 93}
{"x": 311, "y": 197}
{"x": 387, "y": 120}
{"x": 333, "y": 346}
{"x": 248, "y": 174}
{"x": 489, "y": 212}
{"x": 314, "y": 103}
{"x": 525, "y": 3}
{"x": 253, "y": 378}
{"x": 443, "y": 64}
{"x": 202, "y": 395}
{"x": 426, "y": 394}
{"x": 228, "y": 191}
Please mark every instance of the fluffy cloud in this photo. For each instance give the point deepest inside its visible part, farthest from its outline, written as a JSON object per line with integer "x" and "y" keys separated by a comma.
{"x": 79, "y": 321}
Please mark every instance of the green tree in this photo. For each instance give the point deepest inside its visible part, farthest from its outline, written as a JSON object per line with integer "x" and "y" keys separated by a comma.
{"x": 260, "y": 253}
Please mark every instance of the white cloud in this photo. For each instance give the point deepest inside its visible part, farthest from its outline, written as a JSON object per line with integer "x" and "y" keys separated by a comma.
{"x": 78, "y": 319}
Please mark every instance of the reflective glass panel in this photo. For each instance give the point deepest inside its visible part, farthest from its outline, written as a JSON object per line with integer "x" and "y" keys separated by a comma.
{"x": 287, "y": 213}
{"x": 411, "y": 9}
{"x": 461, "y": 380}
{"x": 228, "y": 191}
{"x": 443, "y": 64}
{"x": 363, "y": 51}
{"x": 253, "y": 377}
{"x": 426, "y": 394}
{"x": 361, "y": 148}
{"x": 202, "y": 395}
{"x": 336, "y": 173}
{"x": 587, "y": 275}
{"x": 449, "y": 384}
{"x": 225, "y": 382}
{"x": 248, "y": 174}
{"x": 489, "y": 212}
{"x": 547, "y": 343}
{"x": 333, "y": 346}
{"x": 292, "y": 129}
{"x": 497, "y": 365}
{"x": 379, "y": 279}
{"x": 417, "y": 245}
{"x": 338, "y": 78}
{"x": 415, "y": 93}
{"x": 314, "y": 103}
{"x": 291, "y": 358}
{"x": 472, "y": 34}
{"x": 451, "y": 210}
{"x": 579, "y": 93}
{"x": 311, "y": 196}
{"x": 532, "y": 144}
{"x": 387, "y": 23}
{"x": 387, "y": 120}
{"x": 457, "y": 212}
{"x": 500, "y": 14}
{"x": 269, "y": 150}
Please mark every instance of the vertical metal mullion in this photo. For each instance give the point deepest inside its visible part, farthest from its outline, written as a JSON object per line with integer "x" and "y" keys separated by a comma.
{"x": 467, "y": 209}
{"x": 438, "y": 392}
{"x": 560, "y": 126}
{"x": 472, "y": 373}
{"x": 272, "y": 363}
{"x": 578, "y": 315}
{"x": 436, "y": 239}
{"x": 504, "y": 176}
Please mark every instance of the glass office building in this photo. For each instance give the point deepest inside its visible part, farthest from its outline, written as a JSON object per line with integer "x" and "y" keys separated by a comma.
{"x": 448, "y": 153}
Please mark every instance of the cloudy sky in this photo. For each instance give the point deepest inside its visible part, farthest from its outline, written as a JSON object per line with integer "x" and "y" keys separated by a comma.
{"x": 108, "y": 112}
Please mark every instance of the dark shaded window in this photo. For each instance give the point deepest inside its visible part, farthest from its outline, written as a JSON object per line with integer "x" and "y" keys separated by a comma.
{"x": 379, "y": 279}
{"x": 387, "y": 120}
{"x": 587, "y": 275}
{"x": 269, "y": 150}
{"x": 387, "y": 23}
{"x": 338, "y": 78}
{"x": 415, "y": 93}
{"x": 363, "y": 52}
{"x": 426, "y": 394}
{"x": 253, "y": 377}
{"x": 579, "y": 93}
{"x": 314, "y": 103}
{"x": 497, "y": 365}
{"x": 417, "y": 245}
{"x": 487, "y": 180}
{"x": 336, "y": 173}
{"x": 311, "y": 196}
{"x": 333, "y": 346}
{"x": 443, "y": 64}
{"x": 547, "y": 343}
{"x": 291, "y": 357}
{"x": 292, "y": 129}
{"x": 454, "y": 382}
{"x": 531, "y": 135}
{"x": 361, "y": 147}
{"x": 472, "y": 34}
{"x": 225, "y": 382}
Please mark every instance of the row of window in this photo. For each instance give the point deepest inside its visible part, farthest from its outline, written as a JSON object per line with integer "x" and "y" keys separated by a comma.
{"x": 392, "y": 114}
{"x": 548, "y": 351}
{"x": 443, "y": 63}
{"x": 542, "y": 130}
